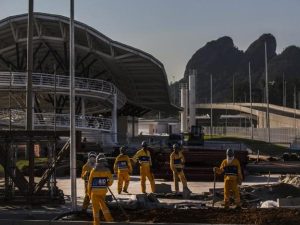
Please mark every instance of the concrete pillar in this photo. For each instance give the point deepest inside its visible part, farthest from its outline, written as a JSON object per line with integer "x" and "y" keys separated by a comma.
{"x": 183, "y": 102}
{"x": 32, "y": 111}
{"x": 115, "y": 118}
{"x": 192, "y": 99}
{"x": 123, "y": 129}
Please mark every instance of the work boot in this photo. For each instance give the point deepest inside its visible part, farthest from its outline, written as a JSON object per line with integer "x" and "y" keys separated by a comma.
{"x": 125, "y": 191}
{"x": 226, "y": 206}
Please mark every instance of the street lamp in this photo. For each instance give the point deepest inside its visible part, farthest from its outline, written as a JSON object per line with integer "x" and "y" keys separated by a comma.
{"x": 250, "y": 98}
{"x": 267, "y": 94}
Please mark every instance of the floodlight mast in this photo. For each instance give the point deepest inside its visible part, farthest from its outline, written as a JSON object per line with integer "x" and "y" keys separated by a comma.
{"x": 72, "y": 111}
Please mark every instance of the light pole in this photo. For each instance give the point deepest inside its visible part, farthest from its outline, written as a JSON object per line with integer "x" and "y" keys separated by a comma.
{"x": 283, "y": 91}
{"x": 211, "y": 109}
{"x": 233, "y": 89}
{"x": 29, "y": 95}
{"x": 174, "y": 90}
{"x": 267, "y": 94}
{"x": 250, "y": 98}
{"x": 295, "y": 107}
{"x": 72, "y": 111}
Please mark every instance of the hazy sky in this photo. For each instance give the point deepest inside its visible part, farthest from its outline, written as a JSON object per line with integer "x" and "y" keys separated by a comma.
{"x": 172, "y": 30}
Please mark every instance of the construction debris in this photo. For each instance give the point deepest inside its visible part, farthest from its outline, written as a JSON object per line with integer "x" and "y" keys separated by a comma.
{"x": 253, "y": 196}
{"x": 268, "y": 204}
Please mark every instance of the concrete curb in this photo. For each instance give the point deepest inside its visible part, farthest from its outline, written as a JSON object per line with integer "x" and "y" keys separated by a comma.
{"x": 49, "y": 222}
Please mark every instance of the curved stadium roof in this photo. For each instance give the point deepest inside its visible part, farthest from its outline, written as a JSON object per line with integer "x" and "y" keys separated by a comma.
{"x": 140, "y": 76}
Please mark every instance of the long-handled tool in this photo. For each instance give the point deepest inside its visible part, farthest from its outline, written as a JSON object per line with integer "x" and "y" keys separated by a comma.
{"x": 118, "y": 204}
{"x": 214, "y": 193}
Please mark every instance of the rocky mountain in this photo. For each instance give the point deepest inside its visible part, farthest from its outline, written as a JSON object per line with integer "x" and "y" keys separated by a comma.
{"x": 226, "y": 63}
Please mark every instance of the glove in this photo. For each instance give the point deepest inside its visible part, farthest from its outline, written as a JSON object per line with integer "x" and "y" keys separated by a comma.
{"x": 215, "y": 169}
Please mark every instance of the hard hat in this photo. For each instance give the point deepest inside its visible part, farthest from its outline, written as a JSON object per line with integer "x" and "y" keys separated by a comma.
{"x": 92, "y": 154}
{"x": 100, "y": 158}
{"x": 123, "y": 149}
{"x": 175, "y": 146}
{"x": 229, "y": 152}
{"x": 144, "y": 144}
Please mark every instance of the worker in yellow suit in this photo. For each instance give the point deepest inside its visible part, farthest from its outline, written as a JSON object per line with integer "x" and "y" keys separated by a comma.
{"x": 177, "y": 164}
{"x": 232, "y": 177}
{"x": 143, "y": 156}
{"x": 123, "y": 168}
{"x": 86, "y": 170}
{"x": 99, "y": 180}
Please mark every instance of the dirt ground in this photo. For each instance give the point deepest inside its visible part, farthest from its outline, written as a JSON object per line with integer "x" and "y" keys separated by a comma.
{"x": 274, "y": 216}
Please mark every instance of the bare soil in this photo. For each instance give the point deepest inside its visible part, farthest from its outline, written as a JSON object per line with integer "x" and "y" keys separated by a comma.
{"x": 274, "y": 216}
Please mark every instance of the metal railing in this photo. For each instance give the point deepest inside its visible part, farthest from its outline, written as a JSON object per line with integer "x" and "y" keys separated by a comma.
{"x": 81, "y": 122}
{"x": 98, "y": 88}
{"x": 42, "y": 120}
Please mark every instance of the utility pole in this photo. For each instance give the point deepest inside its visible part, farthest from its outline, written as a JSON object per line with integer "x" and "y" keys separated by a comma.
{"x": 295, "y": 107}
{"x": 174, "y": 90}
{"x": 267, "y": 94}
{"x": 283, "y": 90}
{"x": 245, "y": 119}
{"x": 72, "y": 111}
{"x": 29, "y": 104}
{"x": 211, "y": 109}
{"x": 250, "y": 98}
{"x": 233, "y": 89}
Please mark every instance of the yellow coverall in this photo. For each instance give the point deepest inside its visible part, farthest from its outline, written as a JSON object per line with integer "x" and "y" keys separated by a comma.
{"x": 86, "y": 170}
{"x": 97, "y": 188}
{"x": 144, "y": 158}
{"x": 176, "y": 163}
{"x": 123, "y": 168}
{"x": 232, "y": 177}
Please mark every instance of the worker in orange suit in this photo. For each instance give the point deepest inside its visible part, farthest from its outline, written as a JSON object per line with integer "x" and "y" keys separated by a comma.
{"x": 143, "y": 156}
{"x": 122, "y": 167}
{"x": 177, "y": 164}
{"x": 232, "y": 177}
{"x": 99, "y": 181}
{"x": 86, "y": 170}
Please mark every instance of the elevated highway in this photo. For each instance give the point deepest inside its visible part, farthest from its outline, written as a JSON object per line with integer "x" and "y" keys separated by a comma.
{"x": 280, "y": 117}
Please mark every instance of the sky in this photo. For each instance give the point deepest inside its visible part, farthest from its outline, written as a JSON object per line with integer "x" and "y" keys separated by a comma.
{"x": 173, "y": 30}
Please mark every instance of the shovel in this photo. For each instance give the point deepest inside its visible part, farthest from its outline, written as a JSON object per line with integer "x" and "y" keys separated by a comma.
{"x": 119, "y": 205}
{"x": 214, "y": 193}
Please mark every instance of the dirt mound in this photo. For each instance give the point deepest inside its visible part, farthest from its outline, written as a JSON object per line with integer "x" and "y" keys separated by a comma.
{"x": 275, "y": 216}
{"x": 272, "y": 192}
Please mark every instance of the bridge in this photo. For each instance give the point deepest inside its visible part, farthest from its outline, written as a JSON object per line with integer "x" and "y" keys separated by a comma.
{"x": 279, "y": 116}
{"x": 284, "y": 121}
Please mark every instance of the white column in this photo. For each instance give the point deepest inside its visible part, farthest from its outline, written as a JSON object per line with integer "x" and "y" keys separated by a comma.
{"x": 183, "y": 104}
{"x": 192, "y": 99}
{"x": 32, "y": 111}
{"x": 83, "y": 111}
{"x": 115, "y": 119}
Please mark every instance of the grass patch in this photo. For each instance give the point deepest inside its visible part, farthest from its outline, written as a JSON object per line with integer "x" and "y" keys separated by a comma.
{"x": 263, "y": 147}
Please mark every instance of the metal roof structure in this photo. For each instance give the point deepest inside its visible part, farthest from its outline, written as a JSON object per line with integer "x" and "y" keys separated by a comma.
{"x": 137, "y": 74}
